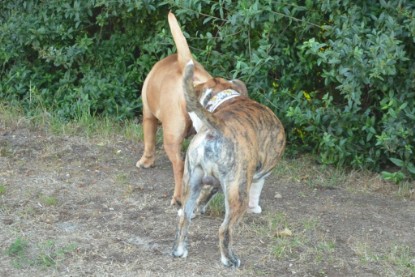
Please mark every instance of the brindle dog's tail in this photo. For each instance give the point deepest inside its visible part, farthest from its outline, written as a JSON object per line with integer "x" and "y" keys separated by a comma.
{"x": 193, "y": 104}
{"x": 183, "y": 51}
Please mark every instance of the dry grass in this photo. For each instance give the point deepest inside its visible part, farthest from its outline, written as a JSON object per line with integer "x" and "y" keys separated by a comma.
{"x": 72, "y": 203}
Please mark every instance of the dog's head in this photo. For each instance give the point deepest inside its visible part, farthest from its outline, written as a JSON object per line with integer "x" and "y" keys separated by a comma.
{"x": 204, "y": 98}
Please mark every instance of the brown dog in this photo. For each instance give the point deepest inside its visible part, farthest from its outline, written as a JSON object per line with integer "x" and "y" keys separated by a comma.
{"x": 238, "y": 144}
{"x": 163, "y": 101}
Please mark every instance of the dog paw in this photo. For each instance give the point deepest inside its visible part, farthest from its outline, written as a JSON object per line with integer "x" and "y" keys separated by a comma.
{"x": 180, "y": 213}
{"x": 180, "y": 251}
{"x": 175, "y": 201}
{"x": 255, "y": 210}
{"x": 231, "y": 261}
{"x": 201, "y": 210}
{"x": 145, "y": 163}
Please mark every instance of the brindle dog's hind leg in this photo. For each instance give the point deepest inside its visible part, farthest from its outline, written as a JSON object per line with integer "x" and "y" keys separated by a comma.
{"x": 235, "y": 204}
{"x": 192, "y": 188}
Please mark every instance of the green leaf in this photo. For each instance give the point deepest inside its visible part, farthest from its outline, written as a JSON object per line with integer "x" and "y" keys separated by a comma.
{"x": 411, "y": 168}
{"x": 397, "y": 162}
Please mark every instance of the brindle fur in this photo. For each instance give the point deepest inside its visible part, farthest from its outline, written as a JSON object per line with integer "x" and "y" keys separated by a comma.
{"x": 237, "y": 147}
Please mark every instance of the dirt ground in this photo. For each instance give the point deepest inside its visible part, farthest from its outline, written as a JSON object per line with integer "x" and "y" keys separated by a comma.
{"x": 76, "y": 206}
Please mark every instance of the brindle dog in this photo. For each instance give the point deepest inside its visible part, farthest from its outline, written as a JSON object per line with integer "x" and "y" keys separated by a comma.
{"x": 237, "y": 146}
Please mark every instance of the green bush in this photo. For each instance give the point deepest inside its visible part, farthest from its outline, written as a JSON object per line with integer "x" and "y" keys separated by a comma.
{"x": 365, "y": 55}
{"x": 339, "y": 74}
{"x": 77, "y": 56}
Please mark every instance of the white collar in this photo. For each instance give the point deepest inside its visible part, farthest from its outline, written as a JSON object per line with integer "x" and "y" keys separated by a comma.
{"x": 211, "y": 104}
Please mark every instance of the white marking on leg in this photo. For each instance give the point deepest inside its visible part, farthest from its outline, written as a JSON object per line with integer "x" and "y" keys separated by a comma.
{"x": 180, "y": 250}
{"x": 224, "y": 260}
{"x": 180, "y": 212}
{"x": 197, "y": 123}
{"x": 254, "y": 194}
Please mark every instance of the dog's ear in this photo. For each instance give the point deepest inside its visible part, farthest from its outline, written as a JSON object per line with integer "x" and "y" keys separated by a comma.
{"x": 199, "y": 89}
{"x": 240, "y": 87}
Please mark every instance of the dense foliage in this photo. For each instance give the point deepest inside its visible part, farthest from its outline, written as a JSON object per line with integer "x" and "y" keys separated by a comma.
{"x": 340, "y": 74}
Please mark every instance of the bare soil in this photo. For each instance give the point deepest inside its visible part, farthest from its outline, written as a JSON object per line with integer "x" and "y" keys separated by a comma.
{"x": 84, "y": 209}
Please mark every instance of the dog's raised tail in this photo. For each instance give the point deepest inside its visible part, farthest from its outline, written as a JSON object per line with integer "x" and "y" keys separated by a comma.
{"x": 183, "y": 50}
{"x": 193, "y": 104}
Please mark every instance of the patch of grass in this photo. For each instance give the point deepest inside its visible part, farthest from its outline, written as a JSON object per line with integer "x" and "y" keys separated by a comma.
{"x": 18, "y": 251}
{"x": 407, "y": 190}
{"x": 49, "y": 254}
{"x": 133, "y": 131}
{"x": 286, "y": 246}
{"x": 272, "y": 226}
{"x": 323, "y": 250}
{"x": 310, "y": 224}
{"x": 9, "y": 114}
{"x": 292, "y": 172}
{"x": 277, "y": 221}
{"x": 305, "y": 170}
{"x": 267, "y": 224}
{"x": 304, "y": 247}
{"x": 43, "y": 254}
{"x": 216, "y": 207}
{"x": 403, "y": 259}
{"x": 398, "y": 260}
{"x": 2, "y": 189}
{"x": 85, "y": 124}
{"x": 17, "y": 248}
{"x": 294, "y": 239}
{"x": 27, "y": 212}
{"x": 106, "y": 128}
{"x": 327, "y": 246}
{"x": 46, "y": 254}
{"x": 5, "y": 149}
{"x": 48, "y": 200}
{"x": 121, "y": 179}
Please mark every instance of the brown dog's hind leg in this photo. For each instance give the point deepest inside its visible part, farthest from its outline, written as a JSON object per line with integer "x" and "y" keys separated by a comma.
{"x": 150, "y": 124}
{"x": 173, "y": 147}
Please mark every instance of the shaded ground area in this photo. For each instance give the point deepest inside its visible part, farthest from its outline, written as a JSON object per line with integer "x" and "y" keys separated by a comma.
{"x": 71, "y": 206}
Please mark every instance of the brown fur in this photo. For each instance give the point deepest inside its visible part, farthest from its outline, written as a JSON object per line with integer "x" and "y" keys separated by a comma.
{"x": 163, "y": 101}
{"x": 237, "y": 147}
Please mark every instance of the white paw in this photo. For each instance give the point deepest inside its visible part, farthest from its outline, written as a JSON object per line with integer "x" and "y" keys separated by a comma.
{"x": 180, "y": 212}
{"x": 230, "y": 263}
{"x": 255, "y": 210}
{"x": 180, "y": 251}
